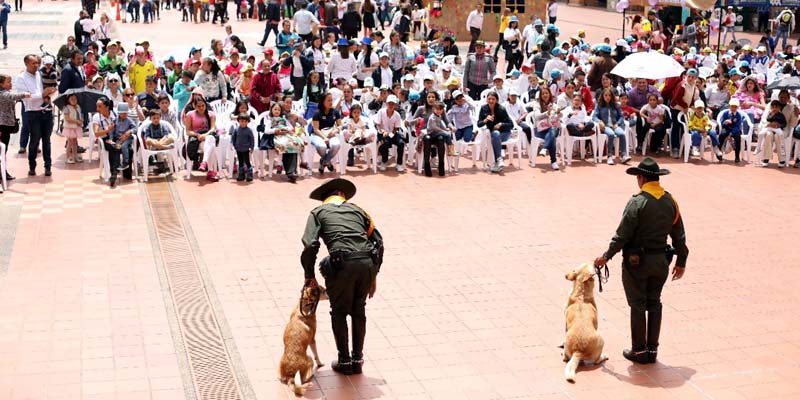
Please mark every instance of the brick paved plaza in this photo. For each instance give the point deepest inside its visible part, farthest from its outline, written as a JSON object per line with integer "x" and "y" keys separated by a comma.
{"x": 104, "y": 293}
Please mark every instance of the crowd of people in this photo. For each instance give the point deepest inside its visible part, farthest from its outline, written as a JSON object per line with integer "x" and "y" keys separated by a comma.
{"x": 322, "y": 87}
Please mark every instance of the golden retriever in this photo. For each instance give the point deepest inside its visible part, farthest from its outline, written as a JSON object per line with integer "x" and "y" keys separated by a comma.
{"x": 582, "y": 342}
{"x": 296, "y": 367}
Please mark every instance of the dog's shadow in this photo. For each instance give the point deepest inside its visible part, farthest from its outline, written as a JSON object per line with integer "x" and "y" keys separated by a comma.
{"x": 659, "y": 375}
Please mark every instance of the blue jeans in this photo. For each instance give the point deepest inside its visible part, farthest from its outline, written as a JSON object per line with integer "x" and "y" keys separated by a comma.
{"x": 727, "y": 29}
{"x": 465, "y": 134}
{"x": 697, "y": 138}
{"x": 498, "y": 137}
{"x": 41, "y": 127}
{"x": 4, "y": 28}
{"x": 783, "y": 32}
{"x": 24, "y": 130}
{"x": 147, "y": 11}
{"x": 549, "y": 137}
{"x": 612, "y": 133}
{"x": 325, "y": 151}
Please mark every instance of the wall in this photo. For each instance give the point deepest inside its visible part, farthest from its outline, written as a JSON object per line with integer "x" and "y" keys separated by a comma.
{"x": 455, "y": 12}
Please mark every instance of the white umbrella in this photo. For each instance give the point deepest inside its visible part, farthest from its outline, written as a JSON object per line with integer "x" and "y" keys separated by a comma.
{"x": 648, "y": 65}
{"x": 705, "y": 72}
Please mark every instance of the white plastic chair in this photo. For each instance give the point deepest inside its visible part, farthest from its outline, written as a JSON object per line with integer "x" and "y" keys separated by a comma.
{"x": 686, "y": 137}
{"x": 370, "y": 149}
{"x": 533, "y": 146}
{"x": 747, "y": 139}
{"x": 601, "y": 143}
{"x": 93, "y": 141}
{"x": 569, "y": 143}
{"x": 512, "y": 144}
{"x": 479, "y": 144}
{"x": 4, "y": 184}
{"x": 222, "y": 112}
{"x": 145, "y": 153}
{"x": 449, "y": 60}
{"x": 310, "y": 152}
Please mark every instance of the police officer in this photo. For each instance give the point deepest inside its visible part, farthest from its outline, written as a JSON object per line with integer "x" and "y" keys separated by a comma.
{"x": 649, "y": 217}
{"x": 356, "y": 253}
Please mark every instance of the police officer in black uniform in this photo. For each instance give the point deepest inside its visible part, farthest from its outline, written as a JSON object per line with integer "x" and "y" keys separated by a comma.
{"x": 649, "y": 217}
{"x": 356, "y": 254}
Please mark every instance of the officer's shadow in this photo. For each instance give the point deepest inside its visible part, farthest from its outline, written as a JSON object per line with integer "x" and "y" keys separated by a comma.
{"x": 658, "y": 375}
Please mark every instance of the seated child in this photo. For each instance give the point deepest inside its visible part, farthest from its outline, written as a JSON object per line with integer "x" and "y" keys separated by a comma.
{"x": 771, "y": 129}
{"x": 700, "y": 127}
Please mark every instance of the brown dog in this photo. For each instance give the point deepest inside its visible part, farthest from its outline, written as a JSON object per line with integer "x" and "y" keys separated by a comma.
{"x": 582, "y": 342}
{"x": 296, "y": 367}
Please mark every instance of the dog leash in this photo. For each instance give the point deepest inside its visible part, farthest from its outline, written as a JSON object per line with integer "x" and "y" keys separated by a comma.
{"x": 316, "y": 302}
{"x": 602, "y": 275}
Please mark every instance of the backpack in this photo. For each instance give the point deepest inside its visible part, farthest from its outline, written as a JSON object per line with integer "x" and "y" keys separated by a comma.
{"x": 785, "y": 18}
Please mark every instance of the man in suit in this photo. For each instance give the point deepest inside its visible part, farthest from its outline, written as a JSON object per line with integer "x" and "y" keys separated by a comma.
{"x": 72, "y": 77}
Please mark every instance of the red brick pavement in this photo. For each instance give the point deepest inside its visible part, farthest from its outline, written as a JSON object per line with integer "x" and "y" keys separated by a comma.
{"x": 469, "y": 303}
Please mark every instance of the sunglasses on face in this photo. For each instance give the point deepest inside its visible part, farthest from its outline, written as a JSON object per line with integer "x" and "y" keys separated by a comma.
{"x": 128, "y": 94}
{"x": 113, "y": 80}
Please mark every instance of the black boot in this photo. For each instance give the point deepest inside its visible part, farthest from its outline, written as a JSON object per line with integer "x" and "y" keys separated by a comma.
{"x": 638, "y": 351}
{"x": 357, "y": 366}
{"x": 341, "y": 337}
{"x": 240, "y": 175}
{"x": 653, "y": 331}
{"x": 351, "y": 158}
{"x": 428, "y": 171}
{"x": 359, "y": 331}
{"x": 249, "y": 176}
{"x": 344, "y": 367}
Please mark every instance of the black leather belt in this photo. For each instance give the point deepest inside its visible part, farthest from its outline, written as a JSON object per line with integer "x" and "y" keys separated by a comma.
{"x": 355, "y": 255}
{"x": 655, "y": 251}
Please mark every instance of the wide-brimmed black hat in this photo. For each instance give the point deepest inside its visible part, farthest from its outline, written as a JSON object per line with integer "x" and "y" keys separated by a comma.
{"x": 648, "y": 166}
{"x": 332, "y": 186}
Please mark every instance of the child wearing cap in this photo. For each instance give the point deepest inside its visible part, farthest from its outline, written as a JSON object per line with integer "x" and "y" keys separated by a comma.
{"x": 700, "y": 127}
{"x": 771, "y": 129}
{"x": 732, "y": 125}
{"x": 437, "y": 134}
{"x": 119, "y": 140}
{"x": 243, "y": 142}
{"x": 502, "y": 92}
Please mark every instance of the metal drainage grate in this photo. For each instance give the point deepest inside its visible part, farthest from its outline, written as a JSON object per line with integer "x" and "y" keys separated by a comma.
{"x": 209, "y": 361}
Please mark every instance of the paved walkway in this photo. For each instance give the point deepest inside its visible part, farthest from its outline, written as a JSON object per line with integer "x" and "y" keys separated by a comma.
{"x": 93, "y": 303}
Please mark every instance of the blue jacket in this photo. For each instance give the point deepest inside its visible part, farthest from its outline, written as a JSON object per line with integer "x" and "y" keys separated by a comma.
{"x": 735, "y": 127}
{"x": 243, "y": 139}
{"x": 5, "y": 9}
{"x": 609, "y": 115}
{"x": 71, "y": 78}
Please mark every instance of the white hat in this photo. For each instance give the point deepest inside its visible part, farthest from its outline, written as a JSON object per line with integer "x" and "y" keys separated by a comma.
{"x": 352, "y": 82}
{"x": 391, "y": 99}
{"x": 457, "y": 93}
{"x": 447, "y": 67}
{"x": 513, "y": 92}
{"x": 699, "y": 103}
{"x": 622, "y": 43}
{"x": 369, "y": 82}
{"x": 498, "y": 76}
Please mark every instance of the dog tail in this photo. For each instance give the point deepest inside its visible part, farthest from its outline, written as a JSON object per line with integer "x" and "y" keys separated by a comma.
{"x": 572, "y": 365}
{"x": 297, "y": 384}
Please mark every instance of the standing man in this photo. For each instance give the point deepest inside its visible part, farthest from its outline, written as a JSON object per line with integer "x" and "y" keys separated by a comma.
{"x": 531, "y": 35}
{"x": 728, "y": 25}
{"x": 552, "y": 11}
{"x": 5, "y": 9}
{"x": 356, "y": 255}
{"x": 38, "y": 114}
{"x": 785, "y": 26}
{"x": 478, "y": 70}
{"x": 304, "y": 21}
{"x": 273, "y": 19}
{"x": 649, "y": 217}
{"x": 474, "y": 25}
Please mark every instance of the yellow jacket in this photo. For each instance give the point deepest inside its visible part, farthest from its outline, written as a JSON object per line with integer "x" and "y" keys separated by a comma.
{"x": 504, "y": 23}
{"x": 699, "y": 122}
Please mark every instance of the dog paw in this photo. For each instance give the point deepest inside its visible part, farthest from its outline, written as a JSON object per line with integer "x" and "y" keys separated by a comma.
{"x": 320, "y": 364}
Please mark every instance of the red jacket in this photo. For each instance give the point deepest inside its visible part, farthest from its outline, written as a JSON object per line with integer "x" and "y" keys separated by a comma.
{"x": 588, "y": 101}
{"x": 669, "y": 86}
{"x": 677, "y": 97}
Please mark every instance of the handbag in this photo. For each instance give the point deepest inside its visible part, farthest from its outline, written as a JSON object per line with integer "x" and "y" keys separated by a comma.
{"x": 796, "y": 134}
{"x": 543, "y": 124}
{"x": 266, "y": 142}
{"x": 15, "y": 127}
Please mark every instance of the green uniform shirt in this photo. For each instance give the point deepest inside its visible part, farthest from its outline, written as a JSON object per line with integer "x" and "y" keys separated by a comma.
{"x": 647, "y": 221}
{"x": 342, "y": 227}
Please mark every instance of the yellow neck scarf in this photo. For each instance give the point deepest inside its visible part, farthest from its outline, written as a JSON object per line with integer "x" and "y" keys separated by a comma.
{"x": 654, "y": 189}
{"x": 335, "y": 199}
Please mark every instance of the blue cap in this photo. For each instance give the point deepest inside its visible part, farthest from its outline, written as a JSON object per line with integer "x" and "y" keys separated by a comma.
{"x": 744, "y": 64}
{"x": 413, "y": 96}
{"x": 515, "y": 73}
{"x": 538, "y": 22}
{"x": 555, "y": 74}
{"x": 513, "y": 19}
{"x": 584, "y": 46}
{"x": 691, "y": 71}
{"x": 629, "y": 39}
{"x": 556, "y": 51}
{"x": 604, "y": 48}
{"x": 343, "y": 42}
{"x": 170, "y": 58}
{"x": 366, "y": 41}
{"x": 733, "y": 71}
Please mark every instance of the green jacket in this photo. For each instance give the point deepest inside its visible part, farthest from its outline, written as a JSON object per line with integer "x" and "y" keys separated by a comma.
{"x": 343, "y": 227}
{"x": 647, "y": 220}
{"x": 104, "y": 65}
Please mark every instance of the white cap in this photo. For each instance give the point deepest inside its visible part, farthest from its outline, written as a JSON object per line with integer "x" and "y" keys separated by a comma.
{"x": 622, "y": 42}
{"x": 699, "y": 103}
{"x": 391, "y": 99}
{"x": 369, "y": 82}
{"x": 457, "y": 93}
{"x": 498, "y": 76}
{"x": 447, "y": 67}
{"x": 513, "y": 92}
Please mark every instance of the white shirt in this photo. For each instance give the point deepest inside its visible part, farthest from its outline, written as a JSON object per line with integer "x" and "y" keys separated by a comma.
{"x": 31, "y": 83}
{"x": 303, "y": 20}
{"x": 99, "y": 122}
{"x": 556, "y": 63}
{"x": 552, "y": 9}
{"x": 387, "y": 123}
{"x": 579, "y": 116}
{"x": 319, "y": 60}
{"x": 530, "y": 35}
{"x": 339, "y": 67}
{"x": 386, "y": 76}
{"x": 515, "y": 110}
{"x": 297, "y": 67}
{"x": 373, "y": 59}
{"x": 475, "y": 20}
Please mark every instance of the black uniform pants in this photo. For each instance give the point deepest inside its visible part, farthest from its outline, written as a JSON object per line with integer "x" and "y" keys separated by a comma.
{"x": 348, "y": 292}
{"x": 386, "y": 144}
{"x": 643, "y": 286}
